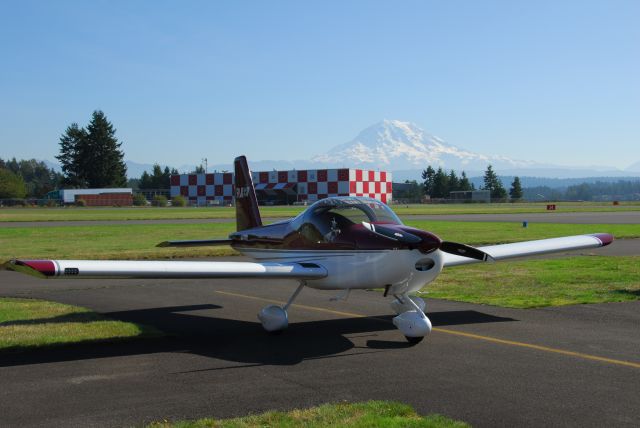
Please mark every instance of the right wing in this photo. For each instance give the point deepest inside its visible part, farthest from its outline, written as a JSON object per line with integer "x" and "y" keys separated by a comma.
{"x": 534, "y": 248}
{"x": 164, "y": 269}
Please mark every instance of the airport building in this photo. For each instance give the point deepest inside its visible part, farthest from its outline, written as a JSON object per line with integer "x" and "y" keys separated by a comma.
{"x": 285, "y": 187}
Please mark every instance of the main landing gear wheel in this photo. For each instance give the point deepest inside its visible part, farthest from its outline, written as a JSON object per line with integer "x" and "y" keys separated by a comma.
{"x": 274, "y": 318}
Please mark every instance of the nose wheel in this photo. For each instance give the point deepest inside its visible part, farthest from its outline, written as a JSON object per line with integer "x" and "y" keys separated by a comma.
{"x": 411, "y": 321}
{"x": 274, "y": 318}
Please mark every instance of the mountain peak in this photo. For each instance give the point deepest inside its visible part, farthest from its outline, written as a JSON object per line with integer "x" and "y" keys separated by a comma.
{"x": 397, "y": 144}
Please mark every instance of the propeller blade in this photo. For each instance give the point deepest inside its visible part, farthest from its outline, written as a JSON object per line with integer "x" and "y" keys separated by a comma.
{"x": 403, "y": 237}
{"x": 465, "y": 251}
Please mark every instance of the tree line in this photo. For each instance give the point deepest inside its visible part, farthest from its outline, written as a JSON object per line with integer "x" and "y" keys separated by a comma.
{"x": 623, "y": 190}
{"x": 439, "y": 184}
{"x": 26, "y": 179}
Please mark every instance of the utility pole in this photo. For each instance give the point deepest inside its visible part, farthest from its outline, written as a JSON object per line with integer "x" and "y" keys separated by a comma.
{"x": 205, "y": 164}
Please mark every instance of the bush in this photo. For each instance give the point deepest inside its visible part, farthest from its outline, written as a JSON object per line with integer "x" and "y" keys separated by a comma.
{"x": 11, "y": 185}
{"x": 139, "y": 200}
{"x": 178, "y": 201}
{"x": 81, "y": 203}
{"x": 159, "y": 201}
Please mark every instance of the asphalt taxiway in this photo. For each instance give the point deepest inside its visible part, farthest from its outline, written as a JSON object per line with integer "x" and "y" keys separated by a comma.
{"x": 490, "y": 366}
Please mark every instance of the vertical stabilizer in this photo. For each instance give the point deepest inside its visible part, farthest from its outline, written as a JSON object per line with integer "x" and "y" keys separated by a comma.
{"x": 247, "y": 212}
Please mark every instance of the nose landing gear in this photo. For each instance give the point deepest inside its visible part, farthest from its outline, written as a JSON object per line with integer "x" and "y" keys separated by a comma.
{"x": 411, "y": 321}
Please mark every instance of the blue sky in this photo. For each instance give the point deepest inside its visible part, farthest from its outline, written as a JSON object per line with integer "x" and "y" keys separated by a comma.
{"x": 547, "y": 81}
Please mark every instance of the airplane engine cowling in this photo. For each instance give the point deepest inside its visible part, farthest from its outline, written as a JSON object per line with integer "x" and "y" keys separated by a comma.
{"x": 413, "y": 324}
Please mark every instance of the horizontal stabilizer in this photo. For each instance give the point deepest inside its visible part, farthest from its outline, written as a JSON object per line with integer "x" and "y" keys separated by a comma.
{"x": 195, "y": 243}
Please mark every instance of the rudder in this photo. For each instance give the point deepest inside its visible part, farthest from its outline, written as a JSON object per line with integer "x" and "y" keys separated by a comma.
{"x": 247, "y": 212}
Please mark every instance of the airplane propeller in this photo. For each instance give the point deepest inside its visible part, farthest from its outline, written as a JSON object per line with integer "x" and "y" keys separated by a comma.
{"x": 465, "y": 251}
{"x": 411, "y": 239}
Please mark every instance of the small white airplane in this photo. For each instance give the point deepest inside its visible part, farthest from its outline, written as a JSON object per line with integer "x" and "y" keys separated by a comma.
{"x": 338, "y": 243}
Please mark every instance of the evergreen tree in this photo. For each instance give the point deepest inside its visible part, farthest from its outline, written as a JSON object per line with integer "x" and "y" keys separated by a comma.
{"x": 158, "y": 179}
{"x": 428, "y": 175}
{"x": 453, "y": 182}
{"x": 102, "y": 164}
{"x": 72, "y": 144}
{"x": 145, "y": 181}
{"x": 440, "y": 184}
{"x": 464, "y": 183}
{"x": 515, "y": 193}
{"x": 493, "y": 184}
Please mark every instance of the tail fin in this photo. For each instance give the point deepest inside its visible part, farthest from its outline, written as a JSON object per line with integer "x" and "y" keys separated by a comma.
{"x": 247, "y": 212}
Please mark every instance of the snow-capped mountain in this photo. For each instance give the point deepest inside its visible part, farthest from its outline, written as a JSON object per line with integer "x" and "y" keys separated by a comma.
{"x": 396, "y": 145}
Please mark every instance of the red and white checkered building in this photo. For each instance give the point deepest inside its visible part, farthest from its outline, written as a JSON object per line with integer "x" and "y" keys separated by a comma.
{"x": 291, "y": 186}
{"x": 200, "y": 188}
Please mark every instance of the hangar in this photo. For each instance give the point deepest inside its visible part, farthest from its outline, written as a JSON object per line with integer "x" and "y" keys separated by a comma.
{"x": 286, "y": 187}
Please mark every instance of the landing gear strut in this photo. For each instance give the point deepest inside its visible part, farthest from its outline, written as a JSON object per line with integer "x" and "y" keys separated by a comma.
{"x": 274, "y": 318}
{"x": 411, "y": 321}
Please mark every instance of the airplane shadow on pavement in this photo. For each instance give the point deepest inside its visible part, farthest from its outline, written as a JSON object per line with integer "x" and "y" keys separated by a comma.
{"x": 236, "y": 340}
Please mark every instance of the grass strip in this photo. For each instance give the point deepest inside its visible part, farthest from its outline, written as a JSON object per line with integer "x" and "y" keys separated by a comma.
{"x": 538, "y": 283}
{"x": 30, "y": 323}
{"x": 355, "y": 415}
{"x": 157, "y": 213}
{"x": 489, "y": 233}
{"x": 139, "y": 241}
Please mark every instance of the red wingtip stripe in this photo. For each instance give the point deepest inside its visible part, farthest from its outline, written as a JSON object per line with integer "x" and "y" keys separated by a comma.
{"x": 45, "y": 267}
{"x": 605, "y": 238}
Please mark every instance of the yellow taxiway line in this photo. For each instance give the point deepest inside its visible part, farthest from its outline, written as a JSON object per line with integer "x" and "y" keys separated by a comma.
{"x": 456, "y": 333}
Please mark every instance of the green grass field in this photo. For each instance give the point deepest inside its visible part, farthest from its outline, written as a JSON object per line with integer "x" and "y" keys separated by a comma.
{"x": 536, "y": 283}
{"x": 149, "y": 213}
{"x": 139, "y": 241}
{"x": 30, "y": 323}
{"x": 355, "y": 415}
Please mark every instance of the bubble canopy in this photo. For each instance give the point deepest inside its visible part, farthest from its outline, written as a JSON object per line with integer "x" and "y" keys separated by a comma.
{"x": 354, "y": 210}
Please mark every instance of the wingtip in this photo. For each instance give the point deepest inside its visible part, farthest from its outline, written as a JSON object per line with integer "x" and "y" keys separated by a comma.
{"x": 37, "y": 268}
{"x": 164, "y": 244}
{"x": 604, "y": 238}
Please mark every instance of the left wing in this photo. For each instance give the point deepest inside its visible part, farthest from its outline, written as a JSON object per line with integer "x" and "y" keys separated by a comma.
{"x": 533, "y": 248}
{"x": 164, "y": 269}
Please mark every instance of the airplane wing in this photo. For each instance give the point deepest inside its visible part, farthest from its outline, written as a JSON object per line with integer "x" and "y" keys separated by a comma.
{"x": 164, "y": 269}
{"x": 533, "y": 248}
